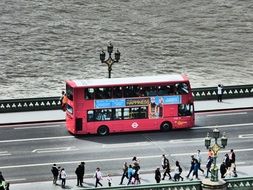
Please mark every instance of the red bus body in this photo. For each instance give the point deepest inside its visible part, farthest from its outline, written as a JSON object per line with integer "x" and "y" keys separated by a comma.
{"x": 112, "y": 105}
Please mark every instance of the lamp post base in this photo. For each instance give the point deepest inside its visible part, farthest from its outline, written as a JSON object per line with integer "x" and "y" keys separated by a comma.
{"x": 207, "y": 184}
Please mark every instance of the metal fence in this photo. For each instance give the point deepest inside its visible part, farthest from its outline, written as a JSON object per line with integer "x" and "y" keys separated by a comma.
{"x": 244, "y": 183}
{"x": 53, "y": 103}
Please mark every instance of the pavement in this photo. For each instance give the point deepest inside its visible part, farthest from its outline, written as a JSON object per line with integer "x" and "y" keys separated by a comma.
{"x": 146, "y": 178}
{"x": 57, "y": 115}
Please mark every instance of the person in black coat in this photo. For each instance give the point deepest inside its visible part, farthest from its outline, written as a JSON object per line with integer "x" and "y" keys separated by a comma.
{"x": 55, "y": 173}
{"x": 79, "y": 175}
{"x": 82, "y": 171}
{"x": 223, "y": 169}
{"x": 157, "y": 175}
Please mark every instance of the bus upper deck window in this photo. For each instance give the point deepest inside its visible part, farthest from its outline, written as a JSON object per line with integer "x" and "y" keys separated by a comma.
{"x": 89, "y": 93}
{"x": 182, "y": 88}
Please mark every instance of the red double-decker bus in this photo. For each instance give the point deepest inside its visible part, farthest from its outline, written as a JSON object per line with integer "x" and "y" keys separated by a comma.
{"x": 145, "y": 103}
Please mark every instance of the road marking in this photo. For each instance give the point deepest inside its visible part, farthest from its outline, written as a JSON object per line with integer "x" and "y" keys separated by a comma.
{"x": 187, "y": 140}
{"x": 37, "y": 127}
{"x": 226, "y": 114}
{"x": 124, "y": 145}
{"x": 112, "y": 159}
{"x": 245, "y": 136}
{"x": 14, "y": 180}
{"x": 222, "y": 126}
{"x": 36, "y": 139}
{"x": 4, "y": 153}
{"x": 59, "y": 149}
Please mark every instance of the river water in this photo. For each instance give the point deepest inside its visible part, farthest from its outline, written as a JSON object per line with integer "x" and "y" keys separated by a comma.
{"x": 44, "y": 43}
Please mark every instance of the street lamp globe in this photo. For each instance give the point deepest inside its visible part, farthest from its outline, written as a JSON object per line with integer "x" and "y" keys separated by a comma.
{"x": 216, "y": 133}
{"x": 224, "y": 140}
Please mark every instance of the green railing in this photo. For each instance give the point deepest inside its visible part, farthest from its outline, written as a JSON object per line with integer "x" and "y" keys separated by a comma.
{"x": 210, "y": 93}
{"x": 189, "y": 185}
{"x": 244, "y": 183}
{"x": 53, "y": 103}
{"x": 30, "y": 104}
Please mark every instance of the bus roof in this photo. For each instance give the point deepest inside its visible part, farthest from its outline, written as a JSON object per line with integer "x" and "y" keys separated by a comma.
{"x": 128, "y": 80}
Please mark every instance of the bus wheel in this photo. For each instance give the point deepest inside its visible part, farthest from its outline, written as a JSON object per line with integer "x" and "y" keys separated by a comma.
{"x": 166, "y": 126}
{"x": 103, "y": 130}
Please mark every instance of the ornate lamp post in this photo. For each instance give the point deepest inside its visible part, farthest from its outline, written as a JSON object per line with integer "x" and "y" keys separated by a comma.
{"x": 110, "y": 60}
{"x": 215, "y": 148}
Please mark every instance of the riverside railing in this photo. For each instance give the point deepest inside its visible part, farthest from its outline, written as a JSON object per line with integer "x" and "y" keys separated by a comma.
{"x": 53, "y": 103}
{"x": 244, "y": 183}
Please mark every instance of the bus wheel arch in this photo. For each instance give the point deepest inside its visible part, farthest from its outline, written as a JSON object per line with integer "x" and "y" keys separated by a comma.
{"x": 103, "y": 130}
{"x": 166, "y": 126}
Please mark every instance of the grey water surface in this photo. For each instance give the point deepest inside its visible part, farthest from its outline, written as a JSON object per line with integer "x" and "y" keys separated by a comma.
{"x": 45, "y": 42}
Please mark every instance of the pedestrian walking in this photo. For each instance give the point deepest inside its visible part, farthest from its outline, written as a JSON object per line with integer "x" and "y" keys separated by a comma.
{"x": 157, "y": 175}
{"x": 165, "y": 160}
{"x": 178, "y": 172}
{"x": 192, "y": 166}
{"x": 1, "y": 176}
{"x": 79, "y": 175}
{"x": 124, "y": 174}
{"x": 3, "y": 184}
{"x": 130, "y": 174}
{"x": 167, "y": 170}
{"x": 208, "y": 165}
{"x": 63, "y": 101}
{"x": 63, "y": 176}
{"x": 98, "y": 176}
{"x": 226, "y": 161}
{"x": 219, "y": 92}
{"x": 55, "y": 173}
{"x": 232, "y": 162}
{"x": 136, "y": 168}
{"x": 195, "y": 170}
{"x": 223, "y": 169}
{"x": 199, "y": 159}
{"x": 109, "y": 180}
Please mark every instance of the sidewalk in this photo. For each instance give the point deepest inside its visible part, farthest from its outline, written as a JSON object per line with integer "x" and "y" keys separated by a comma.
{"x": 57, "y": 115}
{"x": 243, "y": 171}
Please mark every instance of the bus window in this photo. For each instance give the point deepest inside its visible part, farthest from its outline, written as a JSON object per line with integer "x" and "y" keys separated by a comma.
{"x": 103, "y": 114}
{"x": 138, "y": 112}
{"x": 182, "y": 88}
{"x": 185, "y": 109}
{"x": 117, "y": 113}
{"x": 151, "y": 91}
{"x": 69, "y": 92}
{"x": 90, "y": 114}
{"x": 126, "y": 113}
{"x": 89, "y": 93}
{"x": 69, "y": 109}
{"x": 117, "y": 92}
{"x": 103, "y": 93}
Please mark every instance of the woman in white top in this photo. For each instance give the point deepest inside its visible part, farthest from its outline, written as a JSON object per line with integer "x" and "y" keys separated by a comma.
{"x": 63, "y": 176}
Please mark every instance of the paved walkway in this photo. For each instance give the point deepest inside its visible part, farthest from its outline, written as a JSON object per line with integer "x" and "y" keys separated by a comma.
{"x": 89, "y": 181}
{"x": 55, "y": 115}
{"x": 43, "y": 116}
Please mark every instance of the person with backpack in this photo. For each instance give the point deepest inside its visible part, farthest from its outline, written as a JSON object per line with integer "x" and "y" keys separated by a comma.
{"x": 178, "y": 172}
